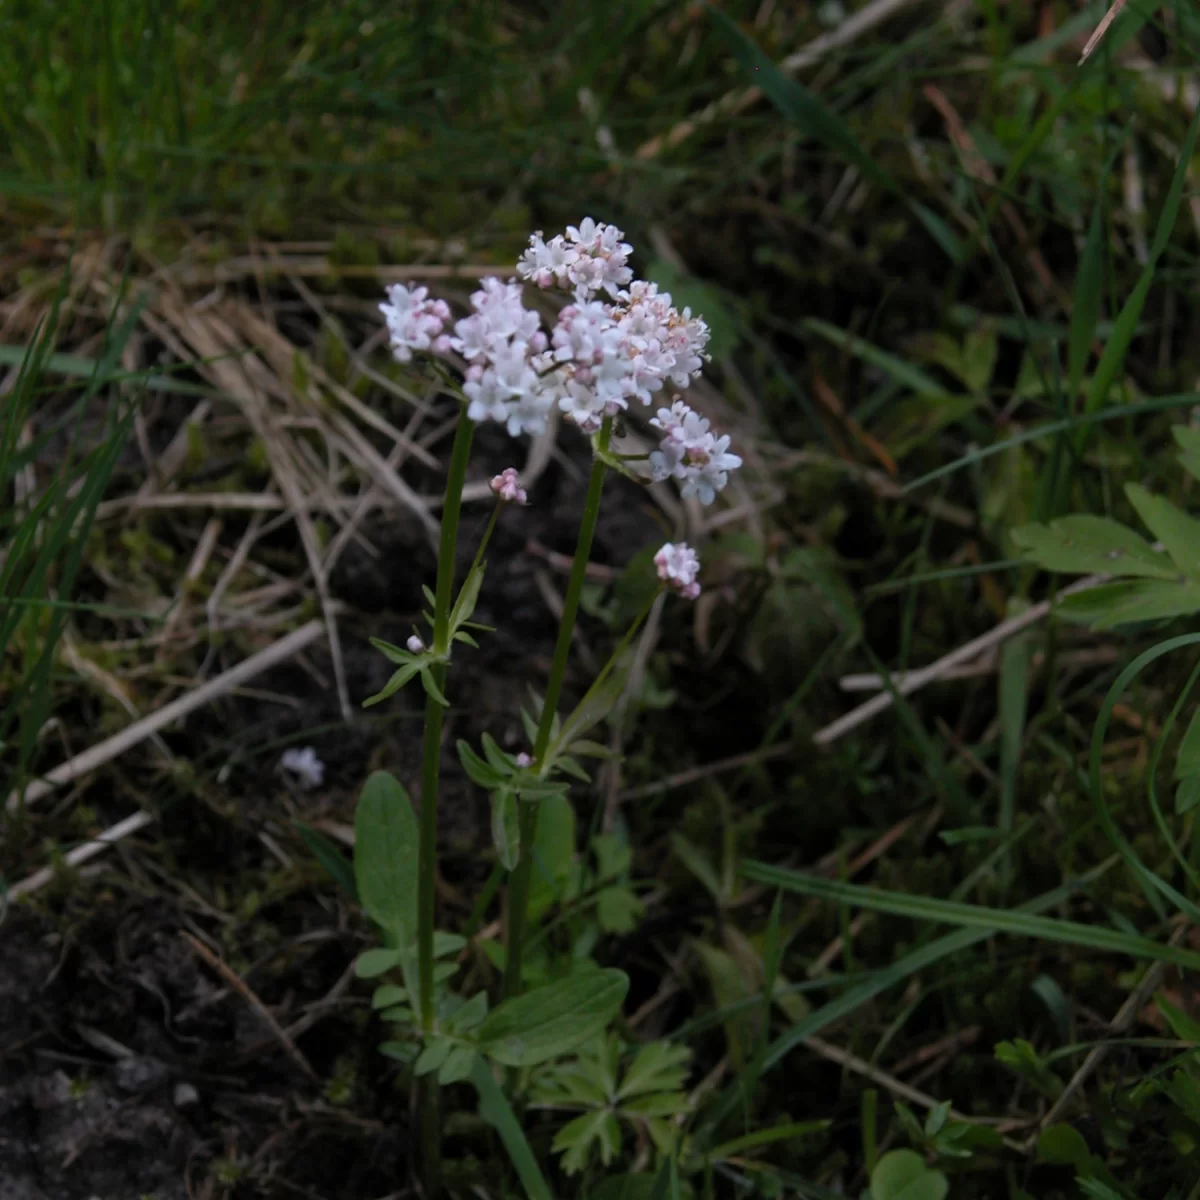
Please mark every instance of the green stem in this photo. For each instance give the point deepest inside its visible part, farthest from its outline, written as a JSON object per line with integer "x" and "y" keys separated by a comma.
{"x": 430, "y": 1155}
{"x": 518, "y": 889}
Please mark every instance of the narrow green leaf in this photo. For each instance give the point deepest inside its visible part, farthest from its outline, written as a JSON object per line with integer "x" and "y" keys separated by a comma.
{"x": 385, "y": 855}
{"x": 393, "y": 685}
{"x": 1187, "y": 761}
{"x": 431, "y": 688}
{"x": 1085, "y": 303}
{"x": 330, "y": 857}
{"x": 1117, "y": 346}
{"x": 496, "y": 1111}
{"x": 971, "y": 916}
{"x": 550, "y": 1020}
{"x": 506, "y": 836}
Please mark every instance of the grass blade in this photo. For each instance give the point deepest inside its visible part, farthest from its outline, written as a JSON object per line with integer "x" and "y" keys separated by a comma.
{"x": 495, "y": 1109}
{"x": 972, "y": 916}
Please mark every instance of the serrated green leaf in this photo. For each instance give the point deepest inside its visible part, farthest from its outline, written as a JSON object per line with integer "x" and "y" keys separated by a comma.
{"x": 575, "y": 1139}
{"x": 1179, "y": 533}
{"x": 372, "y": 963}
{"x": 1090, "y": 545}
{"x": 1113, "y": 604}
{"x": 506, "y": 827}
{"x": 552, "y": 1020}
{"x": 656, "y": 1104}
{"x": 657, "y": 1067}
{"x": 385, "y": 855}
{"x": 393, "y": 685}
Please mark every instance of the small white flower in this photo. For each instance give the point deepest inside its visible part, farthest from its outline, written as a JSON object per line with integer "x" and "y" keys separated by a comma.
{"x": 414, "y": 321}
{"x": 304, "y": 764}
{"x": 678, "y": 568}
{"x": 524, "y": 760}
{"x": 507, "y": 487}
{"x": 415, "y": 645}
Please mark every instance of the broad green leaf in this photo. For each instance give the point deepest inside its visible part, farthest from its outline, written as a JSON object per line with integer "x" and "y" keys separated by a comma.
{"x": 385, "y": 855}
{"x": 403, "y": 1052}
{"x": 497, "y": 1112}
{"x": 1179, "y": 533}
{"x": 372, "y": 963}
{"x": 1185, "y": 1028}
{"x": 1063, "y": 1145}
{"x": 330, "y": 857}
{"x": 1187, "y": 795}
{"x": 551, "y": 1020}
{"x": 387, "y": 995}
{"x": 1090, "y": 545}
{"x": 618, "y": 909}
{"x": 903, "y": 1175}
{"x": 1187, "y": 761}
{"x": 553, "y": 853}
{"x": 506, "y": 836}
{"x": 1188, "y": 440}
{"x": 1113, "y": 604}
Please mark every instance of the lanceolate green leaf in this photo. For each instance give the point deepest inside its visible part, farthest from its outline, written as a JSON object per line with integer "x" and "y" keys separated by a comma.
{"x": 551, "y": 1020}
{"x": 385, "y": 855}
{"x": 496, "y": 1111}
{"x": 1115, "y": 350}
{"x": 972, "y": 916}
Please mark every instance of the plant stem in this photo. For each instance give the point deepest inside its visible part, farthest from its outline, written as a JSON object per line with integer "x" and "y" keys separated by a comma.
{"x": 518, "y": 889}
{"x": 429, "y": 1152}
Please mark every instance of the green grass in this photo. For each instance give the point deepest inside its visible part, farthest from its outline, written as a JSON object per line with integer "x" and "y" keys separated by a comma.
{"x": 884, "y": 313}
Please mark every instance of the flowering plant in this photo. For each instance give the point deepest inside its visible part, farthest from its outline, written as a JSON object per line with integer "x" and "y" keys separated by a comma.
{"x": 616, "y": 342}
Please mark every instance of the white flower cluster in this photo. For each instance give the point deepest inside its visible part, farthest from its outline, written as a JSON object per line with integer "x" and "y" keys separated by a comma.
{"x": 304, "y": 765}
{"x": 414, "y": 321}
{"x": 691, "y": 452}
{"x": 678, "y": 567}
{"x": 620, "y": 339}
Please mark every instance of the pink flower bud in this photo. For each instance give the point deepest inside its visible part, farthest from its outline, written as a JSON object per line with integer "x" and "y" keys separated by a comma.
{"x": 507, "y": 487}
